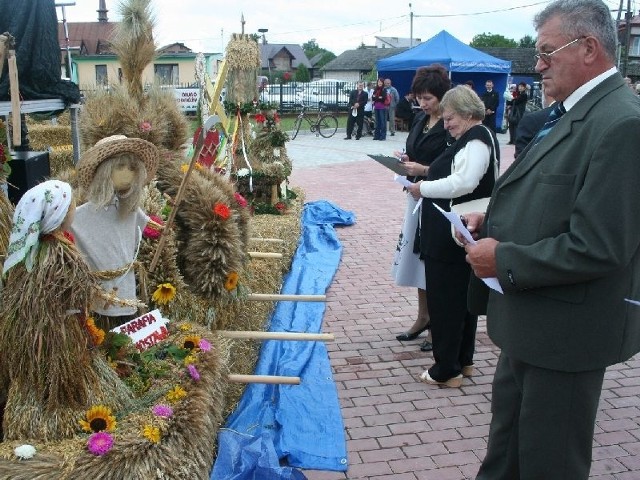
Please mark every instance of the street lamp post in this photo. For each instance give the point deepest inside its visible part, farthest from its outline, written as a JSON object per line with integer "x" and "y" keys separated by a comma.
{"x": 264, "y": 42}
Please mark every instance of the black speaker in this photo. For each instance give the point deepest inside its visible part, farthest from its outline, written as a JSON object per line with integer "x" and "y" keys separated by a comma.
{"x": 28, "y": 169}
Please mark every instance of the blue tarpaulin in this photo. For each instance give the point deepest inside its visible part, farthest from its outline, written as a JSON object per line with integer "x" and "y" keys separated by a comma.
{"x": 302, "y": 422}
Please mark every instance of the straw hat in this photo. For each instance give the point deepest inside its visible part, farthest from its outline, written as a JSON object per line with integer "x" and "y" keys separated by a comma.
{"x": 106, "y": 148}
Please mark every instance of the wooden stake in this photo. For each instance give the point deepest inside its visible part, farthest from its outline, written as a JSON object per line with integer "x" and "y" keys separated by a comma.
{"x": 264, "y": 255}
{"x": 211, "y": 121}
{"x": 15, "y": 99}
{"x": 292, "y": 336}
{"x": 270, "y": 379}
{"x": 276, "y": 297}
{"x": 271, "y": 240}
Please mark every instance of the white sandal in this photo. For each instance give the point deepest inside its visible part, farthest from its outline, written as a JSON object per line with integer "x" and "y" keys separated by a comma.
{"x": 454, "y": 382}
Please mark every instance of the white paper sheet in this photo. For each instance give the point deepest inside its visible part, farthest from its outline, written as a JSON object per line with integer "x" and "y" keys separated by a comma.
{"x": 405, "y": 183}
{"x": 454, "y": 218}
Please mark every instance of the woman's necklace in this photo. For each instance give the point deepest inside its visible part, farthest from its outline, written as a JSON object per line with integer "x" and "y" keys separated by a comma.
{"x": 430, "y": 123}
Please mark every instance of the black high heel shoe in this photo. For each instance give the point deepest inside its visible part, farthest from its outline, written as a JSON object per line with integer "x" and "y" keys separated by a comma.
{"x": 406, "y": 336}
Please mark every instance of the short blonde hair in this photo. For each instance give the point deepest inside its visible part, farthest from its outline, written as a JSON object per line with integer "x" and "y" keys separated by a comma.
{"x": 463, "y": 101}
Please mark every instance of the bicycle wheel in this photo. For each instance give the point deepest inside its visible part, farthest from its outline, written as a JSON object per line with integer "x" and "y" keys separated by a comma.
{"x": 327, "y": 126}
{"x": 296, "y": 127}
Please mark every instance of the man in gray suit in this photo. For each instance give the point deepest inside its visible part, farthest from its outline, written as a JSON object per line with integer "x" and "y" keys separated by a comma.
{"x": 562, "y": 235}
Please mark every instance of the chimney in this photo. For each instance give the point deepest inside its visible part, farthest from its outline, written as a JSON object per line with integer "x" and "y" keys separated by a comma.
{"x": 102, "y": 11}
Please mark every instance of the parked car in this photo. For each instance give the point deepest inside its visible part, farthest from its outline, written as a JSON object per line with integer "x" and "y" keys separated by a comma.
{"x": 287, "y": 97}
{"x": 327, "y": 94}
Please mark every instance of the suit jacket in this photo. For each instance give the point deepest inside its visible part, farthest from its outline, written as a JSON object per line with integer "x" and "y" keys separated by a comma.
{"x": 529, "y": 126}
{"x": 490, "y": 100}
{"x": 566, "y": 216}
{"x": 361, "y": 98}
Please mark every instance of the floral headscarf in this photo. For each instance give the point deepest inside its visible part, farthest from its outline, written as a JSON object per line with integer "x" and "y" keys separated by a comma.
{"x": 41, "y": 210}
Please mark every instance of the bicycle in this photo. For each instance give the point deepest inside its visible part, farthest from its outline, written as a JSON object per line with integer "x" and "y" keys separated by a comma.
{"x": 325, "y": 124}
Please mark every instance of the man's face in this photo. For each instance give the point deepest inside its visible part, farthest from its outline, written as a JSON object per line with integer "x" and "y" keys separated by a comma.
{"x": 562, "y": 72}
{"x": 488, "y": 86}
{"x": 360, "y": 86}
{"x": 387, "y": 83}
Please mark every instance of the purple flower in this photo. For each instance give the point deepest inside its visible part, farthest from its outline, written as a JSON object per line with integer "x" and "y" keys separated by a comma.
{"x": 162, "y": 410}
{"x": 204, "y": 345}
{"x": 100, "y": 443}
{"x": 193, "y": 371}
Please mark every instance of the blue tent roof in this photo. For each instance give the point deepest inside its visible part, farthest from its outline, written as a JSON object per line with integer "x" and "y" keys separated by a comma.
{"x": 447, "y": 50}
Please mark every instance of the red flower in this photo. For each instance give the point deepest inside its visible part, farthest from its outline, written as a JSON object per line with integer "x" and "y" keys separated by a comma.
{"x": 69, "y": 236}
{"x": 240, "y": 199}
{"x": 221, "y": 210}
{"x": 145, "y": 127}
{"x": 151, "y": 231}
{"x": 260, "y": 118}
{"x": 281, "y": 207}
{"x": 276, "y": 117}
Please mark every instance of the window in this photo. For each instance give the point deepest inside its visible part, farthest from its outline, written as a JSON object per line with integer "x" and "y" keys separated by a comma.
{"x": 167, "y": 74}
{"x": 634, "y": 49}
{"x": 101, "y": 75}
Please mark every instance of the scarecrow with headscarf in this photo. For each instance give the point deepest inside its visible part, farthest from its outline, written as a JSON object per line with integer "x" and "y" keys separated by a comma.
{"x": 108, "y": 227}
{"x": 46, "y": 364}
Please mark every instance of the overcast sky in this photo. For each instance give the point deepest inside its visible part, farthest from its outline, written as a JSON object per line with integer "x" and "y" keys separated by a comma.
{"x": 337, "y": 25}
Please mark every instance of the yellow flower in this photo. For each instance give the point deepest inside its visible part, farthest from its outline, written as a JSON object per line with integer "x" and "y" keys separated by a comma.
{"x": 151, "y": 433}
{"x": 184, "y": 167}
{"x": 191, "y": 342}
{"x": 189, "y": 359}
{"x": 98, "y": 419}
{"x": 185, "y": 327}
{"x": 231, "y": 282}
{"x": 164, "y": 293}
{"x": 176, "y": 394}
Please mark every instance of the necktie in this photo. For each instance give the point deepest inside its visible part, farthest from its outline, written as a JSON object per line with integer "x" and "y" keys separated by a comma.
{"x": 555, "y": 115}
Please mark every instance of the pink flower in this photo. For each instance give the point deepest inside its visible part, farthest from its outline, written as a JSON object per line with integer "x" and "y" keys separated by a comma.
{"x": 145, "y": 127}
{"x": 240, "y": 199}
{"x": 162, "y": 410}
{"x": 193, "y": 371}
{"x": 260, "y": 118}
{"x": 204, "y": 345}
{"x": 100, "y": 443}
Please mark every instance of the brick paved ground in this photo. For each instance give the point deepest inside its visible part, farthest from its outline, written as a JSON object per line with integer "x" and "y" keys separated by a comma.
{"x": 396, "y": 427}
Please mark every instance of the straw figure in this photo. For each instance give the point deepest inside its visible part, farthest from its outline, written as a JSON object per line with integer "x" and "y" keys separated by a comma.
{"x": 212, "y": 231}
{"x": 47, "y": 353}
{"x": 260, "y": 158}
{"x": 108, "y": 227}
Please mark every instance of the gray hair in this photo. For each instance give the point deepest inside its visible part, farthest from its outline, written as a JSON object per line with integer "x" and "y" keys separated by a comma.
{"x": 463, "y": 101}
{"x": 582, "y": 18}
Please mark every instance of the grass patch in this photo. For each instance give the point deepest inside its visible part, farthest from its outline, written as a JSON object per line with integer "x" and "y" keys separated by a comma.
{"x": 286, "y": 122}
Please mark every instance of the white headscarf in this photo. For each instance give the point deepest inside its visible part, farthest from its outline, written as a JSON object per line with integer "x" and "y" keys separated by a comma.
{"x": 40, "y": 211}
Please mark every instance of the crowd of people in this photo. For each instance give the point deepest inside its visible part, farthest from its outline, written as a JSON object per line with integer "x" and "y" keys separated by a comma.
{"x": 564, "y": 265}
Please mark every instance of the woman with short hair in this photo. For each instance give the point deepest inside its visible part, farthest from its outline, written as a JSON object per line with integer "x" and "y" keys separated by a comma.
{"x": 465, "y": 171}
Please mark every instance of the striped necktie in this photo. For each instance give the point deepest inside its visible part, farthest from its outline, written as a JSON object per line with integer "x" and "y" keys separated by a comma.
{"x": 555, "y": 115}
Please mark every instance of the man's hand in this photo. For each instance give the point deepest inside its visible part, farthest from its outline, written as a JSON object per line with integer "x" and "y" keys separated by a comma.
{"x": 473, "y": 222}
{"x": 482, "y": 257}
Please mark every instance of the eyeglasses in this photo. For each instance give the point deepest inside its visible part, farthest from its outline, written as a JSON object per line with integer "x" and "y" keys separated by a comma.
{"x": 546, "y": 57}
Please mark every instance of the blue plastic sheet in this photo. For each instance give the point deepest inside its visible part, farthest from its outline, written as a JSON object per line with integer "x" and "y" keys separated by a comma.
{"x": 302, "y": 422}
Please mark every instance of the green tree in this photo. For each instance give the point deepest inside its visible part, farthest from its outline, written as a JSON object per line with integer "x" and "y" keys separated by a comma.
{"x": 492, "y": 40}
{"x": 527, "y": 42}
{"x": 255, "y": 37}
{"x": 302, "y": 74}
{"x": 311, "y": 49}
